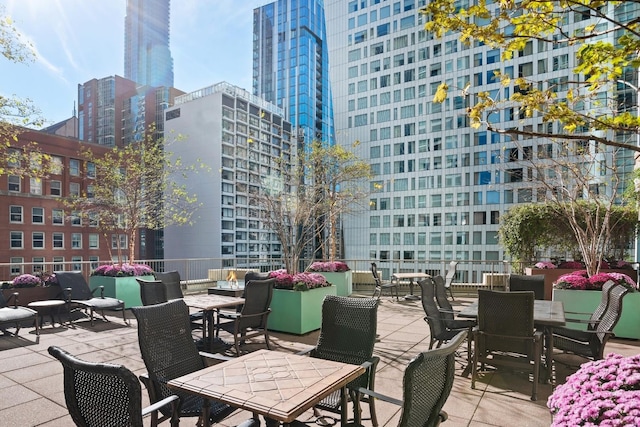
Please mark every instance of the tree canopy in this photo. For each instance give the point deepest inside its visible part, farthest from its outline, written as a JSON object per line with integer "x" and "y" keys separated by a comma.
{"x": 605, "y": 57}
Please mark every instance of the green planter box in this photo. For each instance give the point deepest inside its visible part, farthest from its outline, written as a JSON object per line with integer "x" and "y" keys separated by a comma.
{"x": 297, "y": 312}
{"x": 586, "y": 301}
{"x": 124, "y": 288}
{"x": 343, "y": 281}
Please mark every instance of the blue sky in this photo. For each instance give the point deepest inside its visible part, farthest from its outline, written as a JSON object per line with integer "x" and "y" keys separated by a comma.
{"x": 77, "y": 40}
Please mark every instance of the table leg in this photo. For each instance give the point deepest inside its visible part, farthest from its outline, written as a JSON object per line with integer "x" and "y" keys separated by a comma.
{"x": 411, "y": 296}
{"x": 549, "y": 354}
{"x": 343, "y": 406}
{"x": 206, "y": 410}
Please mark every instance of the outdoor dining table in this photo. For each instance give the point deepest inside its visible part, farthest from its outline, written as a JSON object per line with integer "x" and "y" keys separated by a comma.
{"x": 395, "y": 277}
{"x": 280, "y": 386}
{"x": 210, "y": 304}
{"x": 546, "y": 314}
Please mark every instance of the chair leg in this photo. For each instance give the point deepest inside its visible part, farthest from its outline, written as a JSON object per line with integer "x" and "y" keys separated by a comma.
{"x": 451, "y": 293}
{"x": 266, "y": 338}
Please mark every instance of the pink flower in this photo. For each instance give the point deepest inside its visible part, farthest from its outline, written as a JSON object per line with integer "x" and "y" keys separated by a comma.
{"x": 571, "y": 281}
{"x": 329, "y": 266}
{"x": 122, "y": 270}
{"x": 571, "y": 264}
{"x": 545, "y": 265}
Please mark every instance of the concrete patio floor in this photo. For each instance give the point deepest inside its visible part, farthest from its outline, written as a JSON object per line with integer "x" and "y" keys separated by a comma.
{"x": 31, "y": 387}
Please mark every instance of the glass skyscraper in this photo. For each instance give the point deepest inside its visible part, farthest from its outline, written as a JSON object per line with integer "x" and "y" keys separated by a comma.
{"x": 147, "y": 58}
{"x": 291, "y": 65}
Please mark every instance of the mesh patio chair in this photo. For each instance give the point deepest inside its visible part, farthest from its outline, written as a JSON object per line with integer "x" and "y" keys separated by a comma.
{"x": 252, "y": 320}
{"x": 14, "y": 314}
{"x": 173, "y": 290}
{"x": 426, "y": 385}
{"x": 450, "y": 277}
{"x": 168, "y": 352}
{"x": 152, "y": 291}
{"x": 448, "y": 313}
{"x": 348, "y": 335}
{"x": 535, "y": 283}
{"x": 102, "y": 394}
{"x": 590, "y": 343}
{"x": 79, "y": 294}
{"x": 382, "y": 285}
{"x": 505, "y": 335}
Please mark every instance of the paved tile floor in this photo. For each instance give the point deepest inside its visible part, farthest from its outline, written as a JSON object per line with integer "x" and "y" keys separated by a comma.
{"x": 31, "y": 389}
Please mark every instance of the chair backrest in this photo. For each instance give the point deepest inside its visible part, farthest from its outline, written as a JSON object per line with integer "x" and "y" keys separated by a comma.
{"x": 167, "y": 348}
{"x": 100, "y": 394}
{"x": 611, "y": 314}
{"x": 76, "y": 282}
{"x": 602, "y": 306}
{"x": 255, "y": 275}
{"x": 376, "y": 275}
{"x": 535, "y": 283}
{"x": 504, "y": 318}
{"x": 257, "y": 299}
{"x": 171, "y": 280}
{"x": 441, "y": 297}
{"x": 433, "y": 315}
{"x": 427, "y": 384}
{"x": 451, "y": 273}
{"x": 152, "y": 291}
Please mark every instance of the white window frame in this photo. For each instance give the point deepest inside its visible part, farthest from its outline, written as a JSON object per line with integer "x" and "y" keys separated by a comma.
{"x": 55, "y": 188}
{"x": 54, "y": 214}
{"x": 41, "y": 215}
{"x": 40, "y": 240}
{"x": 61, "y": 240}
{"x": 13, "y": 235}
{"x": 76, "y": 240}
{"x": 12, "y": 214}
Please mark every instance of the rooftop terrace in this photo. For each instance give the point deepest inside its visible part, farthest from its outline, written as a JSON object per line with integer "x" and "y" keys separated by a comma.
{"x": 31, "y": 388}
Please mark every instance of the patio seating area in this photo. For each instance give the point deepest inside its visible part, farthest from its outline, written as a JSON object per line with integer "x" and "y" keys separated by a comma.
{"x": 31, "y": 383}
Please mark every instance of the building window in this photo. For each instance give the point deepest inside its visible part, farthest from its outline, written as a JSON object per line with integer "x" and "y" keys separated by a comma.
{"x": 35, "y": 186}
{"x": 56, "y": 188}
{"x": 56, "y": 165}
{"x": 37, "y": 215}
{"x": 94, "y": 240}
{"x": 58, "y": 240}
{"x": 74, "y": 189}
{"x": 94, "y": 262}
{"x": 16, "y": 240}
{"x": 16, "y": 266}
{"x": 57, "y": 217}
{"x": 14, "y": 183}
{"x": 15, "y": 214}
{"x": 76, "y": 240}
{"x": 58, "y": 263}
{"x": 76, "y": 220}
{"x": 37, "y": 240}
{"x": 74, "y": 167}
{"x": 91, "y": 170}
{"x": 76, "y": 263}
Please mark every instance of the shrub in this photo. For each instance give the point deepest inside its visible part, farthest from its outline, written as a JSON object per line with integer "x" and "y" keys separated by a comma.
{"x": 122, "y": 270}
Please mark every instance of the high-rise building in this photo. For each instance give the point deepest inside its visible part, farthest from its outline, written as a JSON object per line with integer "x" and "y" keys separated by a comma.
{"x": 244, "y": 140}
{"x": 440, "y": 185}
{"x": 291, "y": 65}
{"x": 147, "y": 57}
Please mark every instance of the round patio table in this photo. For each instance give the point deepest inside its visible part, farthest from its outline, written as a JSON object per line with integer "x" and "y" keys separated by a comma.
{"x": 47, "y": 307}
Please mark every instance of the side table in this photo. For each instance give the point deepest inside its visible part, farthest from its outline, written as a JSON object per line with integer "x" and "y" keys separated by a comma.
{"x": 47, "y": 307}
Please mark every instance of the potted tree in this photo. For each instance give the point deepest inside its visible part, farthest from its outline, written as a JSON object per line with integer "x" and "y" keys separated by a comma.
{"x": 119, "y": 281}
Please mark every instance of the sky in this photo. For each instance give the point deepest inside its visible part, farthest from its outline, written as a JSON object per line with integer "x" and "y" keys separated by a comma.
{"x": 78, "y": 40}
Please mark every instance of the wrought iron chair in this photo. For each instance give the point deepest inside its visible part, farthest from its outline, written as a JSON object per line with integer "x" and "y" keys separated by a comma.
{"x": 590, "y": 343}
{"x": 535, "y": 283}
{"x": 102, "y": 394}
{"x": 252, "y": 319}
{"x": 450, "y": 276}
{"x": 168, "y": 351}
{"x": 426, "y": 384}
{"x": 79, "y": 294}
{"x": 152, "y": 291}
{"x": 505, "y": 335}
{"x": 348, "y": 335}
{"x": 381, "y": 285}
{"x": 15, "y": 314}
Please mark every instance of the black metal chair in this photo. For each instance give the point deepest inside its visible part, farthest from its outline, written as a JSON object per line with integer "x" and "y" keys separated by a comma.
{"x": 15, "y": 314}
{"x": 102, "y": 394}
{"x": 348, "y": 335}
{"x": 535, "y": 283}
{"x": 381, "y": 285}
{"x": 446, "y": 309}
{"x": 171, "y": 280}
{"x": 78, "y": 294}
{"x": 252, "y": 320}
{"x": 439, "y": 332}
{"x": 152, "y": 291}
{"x": 427, "y": 384}
{"x": 590, "y": 343}
{"x": 450, "y": 276}
{"x": 505, "y": 335}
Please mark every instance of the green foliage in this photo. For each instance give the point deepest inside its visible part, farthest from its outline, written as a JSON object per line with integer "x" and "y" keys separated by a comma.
{"x": 511, "y": 26}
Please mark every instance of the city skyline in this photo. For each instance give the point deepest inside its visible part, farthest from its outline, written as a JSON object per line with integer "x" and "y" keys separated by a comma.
{"x": 85, "y": 40}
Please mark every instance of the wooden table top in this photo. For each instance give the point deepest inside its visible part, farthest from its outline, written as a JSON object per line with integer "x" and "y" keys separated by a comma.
{"x": 416, "y": 275}
{"x": 545, "y": 313}
{"x": 277, "y": 385}
{"x": 211, "y": 302}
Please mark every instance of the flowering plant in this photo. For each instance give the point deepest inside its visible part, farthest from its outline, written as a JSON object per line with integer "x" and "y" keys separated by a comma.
{"x": 26, "y": 281}
{"x": 122, "y": 270}
{"x": 544, "y": 265}
{"x": 299, "y": 281}
{"x": 329, "y": 266}
{"x": 579, "y": 280}
{"x": 571, "y": 264}
{"x": 601, "y": 392}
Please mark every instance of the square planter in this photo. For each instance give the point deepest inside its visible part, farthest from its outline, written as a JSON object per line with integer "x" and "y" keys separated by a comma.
{"x": 124, "y": 288}
{"x": 586, "y": 301}
{"x": 343, "y": 281}
{"x": 296, "y": 312}
{"x": 552, "y": 274}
